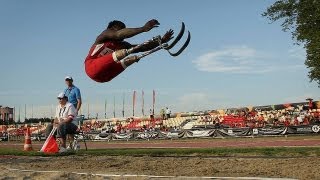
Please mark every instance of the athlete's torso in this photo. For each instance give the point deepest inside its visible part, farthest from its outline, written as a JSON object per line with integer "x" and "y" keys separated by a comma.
{"x": 98, "y": 50}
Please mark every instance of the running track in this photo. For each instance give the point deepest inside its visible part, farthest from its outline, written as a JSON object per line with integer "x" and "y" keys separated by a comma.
{"x": 310, "y": 141}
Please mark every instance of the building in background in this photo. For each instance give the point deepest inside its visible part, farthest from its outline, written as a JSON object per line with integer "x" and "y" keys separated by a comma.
{"x": 6, "y": 115}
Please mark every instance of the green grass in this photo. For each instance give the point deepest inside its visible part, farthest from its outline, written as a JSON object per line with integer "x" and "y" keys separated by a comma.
{"x": 224, "y": 152}
{"x": 204, "y": 152}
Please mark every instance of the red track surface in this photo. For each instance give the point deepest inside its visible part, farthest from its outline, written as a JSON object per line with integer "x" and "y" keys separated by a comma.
{"x": 310, "y": 141}
{"x": 209, "y": 143}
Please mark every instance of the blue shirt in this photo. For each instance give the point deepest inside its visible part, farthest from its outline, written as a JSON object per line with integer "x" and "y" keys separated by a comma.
{"x": 73, "y": 94}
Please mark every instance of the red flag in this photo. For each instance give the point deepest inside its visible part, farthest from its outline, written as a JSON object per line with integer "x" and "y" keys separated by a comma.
{"x": 51, "y": 146}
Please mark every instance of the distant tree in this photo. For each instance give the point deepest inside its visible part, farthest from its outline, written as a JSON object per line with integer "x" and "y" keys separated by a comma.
{"x": 302, "y": 18}
{"x": 37, "y": 120}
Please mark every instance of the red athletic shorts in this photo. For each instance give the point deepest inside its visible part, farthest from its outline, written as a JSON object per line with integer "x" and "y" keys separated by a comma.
{"x": 103, "y": 69}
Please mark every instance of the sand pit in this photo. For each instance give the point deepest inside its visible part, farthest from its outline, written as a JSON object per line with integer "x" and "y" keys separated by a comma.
{"x": 69, "y": 167}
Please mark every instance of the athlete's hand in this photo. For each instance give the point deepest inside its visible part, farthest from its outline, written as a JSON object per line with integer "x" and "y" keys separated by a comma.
{"x": 150, "y": 25}
{"x": 167, "y": 36}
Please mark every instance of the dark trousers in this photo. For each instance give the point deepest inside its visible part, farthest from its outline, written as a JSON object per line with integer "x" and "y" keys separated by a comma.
{"x": 62, "y": 130}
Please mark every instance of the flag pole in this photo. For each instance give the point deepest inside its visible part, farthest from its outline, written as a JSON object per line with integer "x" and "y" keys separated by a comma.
{"x": 123, "y": 105}
{"x": 133, "y": 102}
{"x": 142, "y": 103}
{"x": 105, "y": 108}
{"x": 153, "y": 100}
{"x": 114, "y": 106}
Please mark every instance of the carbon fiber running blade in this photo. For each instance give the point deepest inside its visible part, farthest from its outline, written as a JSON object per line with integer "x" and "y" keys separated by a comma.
{"x": 176, "y": 40}
{"x": 183, "y": 47}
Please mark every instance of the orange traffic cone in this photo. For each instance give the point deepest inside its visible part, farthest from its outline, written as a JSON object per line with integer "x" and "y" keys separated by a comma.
{"x": 27, "y": 142}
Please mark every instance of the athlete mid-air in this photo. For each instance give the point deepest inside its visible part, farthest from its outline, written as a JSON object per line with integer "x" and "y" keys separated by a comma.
{"x": 109, "y": 55}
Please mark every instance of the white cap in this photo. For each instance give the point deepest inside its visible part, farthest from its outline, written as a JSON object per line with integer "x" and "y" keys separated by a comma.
{"x": 68, "y": 78}
{"x": 61, "y": 95}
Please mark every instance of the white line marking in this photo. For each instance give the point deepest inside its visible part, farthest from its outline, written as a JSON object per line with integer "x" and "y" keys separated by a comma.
{"x": 151, "y": 176}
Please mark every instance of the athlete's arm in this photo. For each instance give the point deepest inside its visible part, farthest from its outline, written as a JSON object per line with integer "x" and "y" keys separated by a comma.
{"x": 125, "y": 33}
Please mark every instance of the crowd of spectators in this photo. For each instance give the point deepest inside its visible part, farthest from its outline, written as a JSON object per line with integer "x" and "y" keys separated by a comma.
{"x": 88, "y": 126}
{"x": 19, "y": 130}
{"x": 242, "y": 118}
{"x": 259, "y": 118}
{"x": 284, "y": 117}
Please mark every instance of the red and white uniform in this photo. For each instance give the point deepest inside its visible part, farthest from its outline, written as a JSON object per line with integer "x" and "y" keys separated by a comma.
{"x": 101, "y": 64}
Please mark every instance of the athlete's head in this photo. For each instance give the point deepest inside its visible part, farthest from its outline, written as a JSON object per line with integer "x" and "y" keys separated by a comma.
{"x": 116, "y": 25}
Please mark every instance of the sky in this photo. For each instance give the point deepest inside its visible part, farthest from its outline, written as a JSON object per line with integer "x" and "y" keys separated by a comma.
{"x": 235, "y": 58}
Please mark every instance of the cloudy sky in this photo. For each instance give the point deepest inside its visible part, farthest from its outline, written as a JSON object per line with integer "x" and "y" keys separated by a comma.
{"x": 235, "y": 58}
